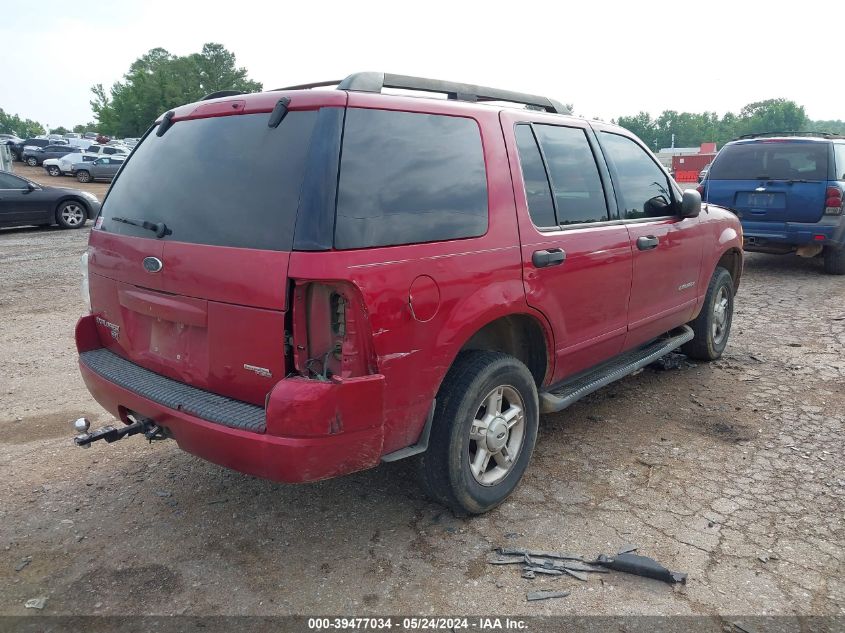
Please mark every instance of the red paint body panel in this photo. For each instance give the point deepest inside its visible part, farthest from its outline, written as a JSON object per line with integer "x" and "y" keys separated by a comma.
{"x": 664, "y": 287}
{"x": 288, "y": 459}
{"x": 231, "y": 275}
{"x": 212, "y": 310}
{"x": 300, "y": 407}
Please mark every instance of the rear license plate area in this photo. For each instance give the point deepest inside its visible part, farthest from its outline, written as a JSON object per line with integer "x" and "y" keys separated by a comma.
{"x": 760, "y": 200}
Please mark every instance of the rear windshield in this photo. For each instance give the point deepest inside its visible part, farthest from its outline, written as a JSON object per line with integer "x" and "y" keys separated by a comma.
{"x": 773, "y": 161}
{"x": 222, "y": 181}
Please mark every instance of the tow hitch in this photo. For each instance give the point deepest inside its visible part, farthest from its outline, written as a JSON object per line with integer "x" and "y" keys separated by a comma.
{"x": 113, "y": 433}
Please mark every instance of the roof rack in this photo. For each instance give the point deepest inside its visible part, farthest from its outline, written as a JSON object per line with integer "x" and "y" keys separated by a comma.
{"x": 376, "y": 82}
{"x": 221, "y": 93}
{"x": 795, "y": 133}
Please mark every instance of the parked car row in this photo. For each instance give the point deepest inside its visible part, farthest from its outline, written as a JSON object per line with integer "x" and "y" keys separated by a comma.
{"x": 22, "y": 149}
{"x": 99, "y": 162}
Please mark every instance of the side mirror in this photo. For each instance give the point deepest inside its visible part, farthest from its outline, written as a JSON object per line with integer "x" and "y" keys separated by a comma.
{"x": 30, "y": 187}
{"x": 690, "y": 204}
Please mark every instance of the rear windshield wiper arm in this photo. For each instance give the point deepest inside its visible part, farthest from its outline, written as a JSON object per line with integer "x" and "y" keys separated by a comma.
{"x": 159, "y": 228}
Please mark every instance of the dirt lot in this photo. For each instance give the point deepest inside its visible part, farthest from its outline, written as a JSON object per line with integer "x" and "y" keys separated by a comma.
{"x": 733, "y": 472}
{"x": 40, "y": 176}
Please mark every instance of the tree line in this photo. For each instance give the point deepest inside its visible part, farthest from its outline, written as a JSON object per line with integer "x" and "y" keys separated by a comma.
{"x": 690, "y": 129}
{"x": 159, "y": 81}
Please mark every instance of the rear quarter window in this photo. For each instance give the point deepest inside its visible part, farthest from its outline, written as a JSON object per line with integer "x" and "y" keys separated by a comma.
{"x": 408, "y": 178}
{"x": 839, "y": 156}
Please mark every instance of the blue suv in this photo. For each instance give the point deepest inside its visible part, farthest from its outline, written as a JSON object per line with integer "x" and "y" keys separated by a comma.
{"x": 787, "y": 190}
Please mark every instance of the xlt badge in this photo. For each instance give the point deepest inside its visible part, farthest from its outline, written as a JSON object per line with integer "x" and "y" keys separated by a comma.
{"x": 261, "y": 371}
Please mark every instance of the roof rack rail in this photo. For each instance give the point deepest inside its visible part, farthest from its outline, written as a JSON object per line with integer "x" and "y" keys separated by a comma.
{"x": 376, "y": 82}
{"x": 790, "y": 133}
{"x": 221, "y": 93}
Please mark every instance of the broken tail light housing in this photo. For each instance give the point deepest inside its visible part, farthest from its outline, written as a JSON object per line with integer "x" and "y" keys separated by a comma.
{"x": 833, "y": 201}
{"x": 331, "y": 335}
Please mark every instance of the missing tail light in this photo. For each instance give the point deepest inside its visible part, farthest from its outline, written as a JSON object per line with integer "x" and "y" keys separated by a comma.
{"x": 833, "y": 201}
{"x": 330, "y": 332}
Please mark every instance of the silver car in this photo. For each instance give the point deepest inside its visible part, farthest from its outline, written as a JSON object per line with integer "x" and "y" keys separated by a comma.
{"x": 103, "y": 168}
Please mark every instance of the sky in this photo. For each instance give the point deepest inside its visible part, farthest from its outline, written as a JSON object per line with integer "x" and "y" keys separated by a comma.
{"x": 608, "y": 59}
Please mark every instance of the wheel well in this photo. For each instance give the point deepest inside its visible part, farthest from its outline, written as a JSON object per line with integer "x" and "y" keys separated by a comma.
{"x": 731, "y": 261}
{"x": 519, "y": 335}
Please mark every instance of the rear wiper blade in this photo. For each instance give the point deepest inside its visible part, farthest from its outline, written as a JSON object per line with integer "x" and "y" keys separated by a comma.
{"x": 159, "y": 228}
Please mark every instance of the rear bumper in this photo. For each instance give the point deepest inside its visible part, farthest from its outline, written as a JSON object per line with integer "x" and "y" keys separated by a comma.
{"x": 314, "y": 430}
{"x": 829, "y": 231}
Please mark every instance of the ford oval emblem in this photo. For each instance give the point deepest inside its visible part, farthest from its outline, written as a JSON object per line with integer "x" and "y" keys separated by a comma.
{"x": 153, "y": 264}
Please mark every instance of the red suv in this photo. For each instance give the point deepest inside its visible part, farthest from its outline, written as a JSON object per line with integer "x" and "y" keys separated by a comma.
{"x": 302, "y": 283}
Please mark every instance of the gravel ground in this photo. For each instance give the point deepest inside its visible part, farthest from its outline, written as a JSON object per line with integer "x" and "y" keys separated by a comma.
{"x": 733, "y": 472}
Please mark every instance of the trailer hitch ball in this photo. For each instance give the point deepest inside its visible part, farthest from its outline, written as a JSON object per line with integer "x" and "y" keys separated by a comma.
{"x": 82, "y": 425}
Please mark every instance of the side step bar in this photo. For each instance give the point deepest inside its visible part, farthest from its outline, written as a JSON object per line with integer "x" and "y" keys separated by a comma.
{"x": 563, "y": 395}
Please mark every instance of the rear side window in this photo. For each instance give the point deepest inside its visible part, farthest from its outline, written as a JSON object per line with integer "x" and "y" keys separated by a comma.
{"x": 772, "y": 161}
{"x": 642, "y": 187}
{"x": 223, "y": 181}
{"x": 409, "y": 177}
{"x": 537, "y": 192}
{"x": 578, "y": 192}
{"x": 839, "y": 153}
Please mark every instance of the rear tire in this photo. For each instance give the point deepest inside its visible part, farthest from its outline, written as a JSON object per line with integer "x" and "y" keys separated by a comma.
{"x": 834, "y": 260}
{"x": 712, "y": 326}
{"x": 483, "y": 432}
{"x": 71, "y": 214}
{"x": 83, "y": 176}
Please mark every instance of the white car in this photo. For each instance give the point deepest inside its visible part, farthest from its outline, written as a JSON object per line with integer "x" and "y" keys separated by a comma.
{"x": 66, "y": 165}
{"x": 106, "y": 150}
{"x": 61, "y": 166}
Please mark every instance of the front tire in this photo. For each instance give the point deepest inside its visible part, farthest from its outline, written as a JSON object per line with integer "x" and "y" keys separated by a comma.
{"x": 712, "y": 327}
{"x": 71, "y": 215}
{"x": 83, "y": 176}
{"x": 32, "y": 161}
{"x": 53, "y": 170}
{"x": 834, "y": 260}
{"x": 483, "y": 432}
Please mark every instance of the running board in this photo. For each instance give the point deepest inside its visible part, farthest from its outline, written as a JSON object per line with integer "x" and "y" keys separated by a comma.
{"x": 574, "y": 389}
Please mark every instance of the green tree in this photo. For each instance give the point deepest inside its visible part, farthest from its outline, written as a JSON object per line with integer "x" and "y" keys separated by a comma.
{"x": 642, "y": 125}
{"x": 13, "y": 124}
{"x": 772, "y": 115}
{"x": 59, "y": 130}
{"x": 833, "y": 126}
{"x": 690, "y": 129}
{"x": 158, "y": 81}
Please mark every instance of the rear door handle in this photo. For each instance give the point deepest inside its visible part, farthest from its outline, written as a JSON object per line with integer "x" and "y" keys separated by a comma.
{"x": 550, "y": 257}
{"x": 647, "y": 243}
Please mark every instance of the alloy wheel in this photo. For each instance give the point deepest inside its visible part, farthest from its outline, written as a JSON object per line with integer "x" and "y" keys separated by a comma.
{"x": 73, "y": 214}
{"x": 496, "y": 435}
{"x": 719, "y": 325}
